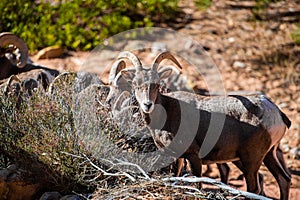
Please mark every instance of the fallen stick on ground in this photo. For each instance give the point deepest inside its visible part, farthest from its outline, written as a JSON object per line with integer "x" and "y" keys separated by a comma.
{"x": 218, "y": 184}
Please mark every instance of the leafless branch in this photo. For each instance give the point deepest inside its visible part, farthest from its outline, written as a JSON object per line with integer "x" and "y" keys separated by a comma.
{"x": 105, "y": 173}
{"x": 218, "y": 184}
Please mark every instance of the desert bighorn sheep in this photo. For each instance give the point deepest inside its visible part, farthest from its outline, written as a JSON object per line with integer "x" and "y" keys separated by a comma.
{"x": 253, "y": 125}
{"x": 119, "y": 96}
{"x": 14, "y": 57}
{"x": 11, "y": 45}
{"x": 27, "y": 82}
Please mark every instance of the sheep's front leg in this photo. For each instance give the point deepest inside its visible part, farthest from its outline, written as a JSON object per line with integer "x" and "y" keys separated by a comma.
{"x": 239, "y": 165}
{"x": 196, "y": 165}
{"x": 179, "y": 164}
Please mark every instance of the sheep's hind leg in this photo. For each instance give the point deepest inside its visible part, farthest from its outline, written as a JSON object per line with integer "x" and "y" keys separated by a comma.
{"x": 224, "y": 172}
{"x": 277, "y": 169}
{"x": 249, "y": 167}
{"x": 239, "y": 165}
{"x": 280, "y": 157}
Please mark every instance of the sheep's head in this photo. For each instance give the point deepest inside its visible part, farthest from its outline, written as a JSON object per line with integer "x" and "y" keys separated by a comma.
{"x": 12, "y": 44}
{"x": 146, "y": 81}
{"x": 116, "y": 83}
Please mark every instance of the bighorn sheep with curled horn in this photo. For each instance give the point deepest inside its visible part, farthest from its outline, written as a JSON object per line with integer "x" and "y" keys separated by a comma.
{"x": 10, "y": 43}
{"x": 14, "y": 57}
{"x": 119, "y": 91}
{"x": 119, "y": 96}
{"x": 252, "y": 130}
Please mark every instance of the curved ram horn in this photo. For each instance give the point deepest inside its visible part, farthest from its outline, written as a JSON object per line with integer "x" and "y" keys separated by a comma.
{"x": 175, "y": 69}
{"x": 8, "y": 38}
{"x": 120, "y": 74}
{"x": 65, "y": 76}
{"x": 121, "y": 99}
{"x": 115, "y": 69}
{"x": 161, "y": 57}
{"x": 133, "y": 58}
{"x": 9, "y": 81}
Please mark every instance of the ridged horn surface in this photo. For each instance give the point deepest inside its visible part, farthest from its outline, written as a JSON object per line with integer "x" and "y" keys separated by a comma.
{"x": 8, "y": 38}
{"x": 133, "y": 58}
{"x": 115, "y": 69}
{"x": 162, "y": 56}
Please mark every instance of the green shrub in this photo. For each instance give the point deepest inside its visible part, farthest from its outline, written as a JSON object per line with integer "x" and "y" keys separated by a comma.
{"x": 48, "y": 136}
{"x": 78, "y": 24}
{"x": 296, "y": 36}
{"x": 202, "y": 4}
{"x": 259, "y": 9}
{"x": 36, "y": 135}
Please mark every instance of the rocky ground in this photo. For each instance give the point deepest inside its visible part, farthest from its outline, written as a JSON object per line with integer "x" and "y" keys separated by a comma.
{"x": 254, "y": 52}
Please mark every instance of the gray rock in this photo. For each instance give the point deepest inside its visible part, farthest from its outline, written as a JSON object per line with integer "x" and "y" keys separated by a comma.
{"x": 285, "y": 148}
{"x": 295, "y": 152}
{"x": 15, "y": 184}
{"x": 135, "y": 45}
{"x": 239, "y": 64}
{"x": 85, "y": 79}
{"x": 51, "y": 196}
{"x": 70, "y": 197}
{"x": 158, "y": 47}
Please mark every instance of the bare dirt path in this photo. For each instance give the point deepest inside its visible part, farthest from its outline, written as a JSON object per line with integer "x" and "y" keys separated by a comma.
{"x": 252, "y": 55}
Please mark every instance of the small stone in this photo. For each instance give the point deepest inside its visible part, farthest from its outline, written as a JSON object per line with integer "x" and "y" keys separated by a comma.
{"x": 51, "y": 196}
{"x": 50, "y": 52}
{"x": 239, "y": 64}
{"x": 284, "y": 141}
{"x": 285, "y": 148}
{"x": 283, "y": 26}
{"x": 231, "y": 39}
{"x": 230, "y": 22}
{"x": 283, "y": 105}
{"x": 295, "y": 152}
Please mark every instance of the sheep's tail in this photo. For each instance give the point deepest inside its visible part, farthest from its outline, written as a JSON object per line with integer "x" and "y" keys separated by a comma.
{"x": 285, "y": 119}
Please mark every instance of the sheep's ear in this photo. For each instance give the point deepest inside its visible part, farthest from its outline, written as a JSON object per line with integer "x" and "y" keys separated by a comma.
{"x": 120, "y": 100}
{"x": 164, "y": 73}
{"x": 43, "y": 78}
{"x": 128, "y": 74}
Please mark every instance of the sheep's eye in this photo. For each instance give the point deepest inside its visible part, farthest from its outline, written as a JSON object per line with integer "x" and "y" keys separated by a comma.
{"x": 136, "y": 86}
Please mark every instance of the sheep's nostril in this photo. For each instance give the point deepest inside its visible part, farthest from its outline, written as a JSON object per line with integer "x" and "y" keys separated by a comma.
{"x": 148, "y": 105}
